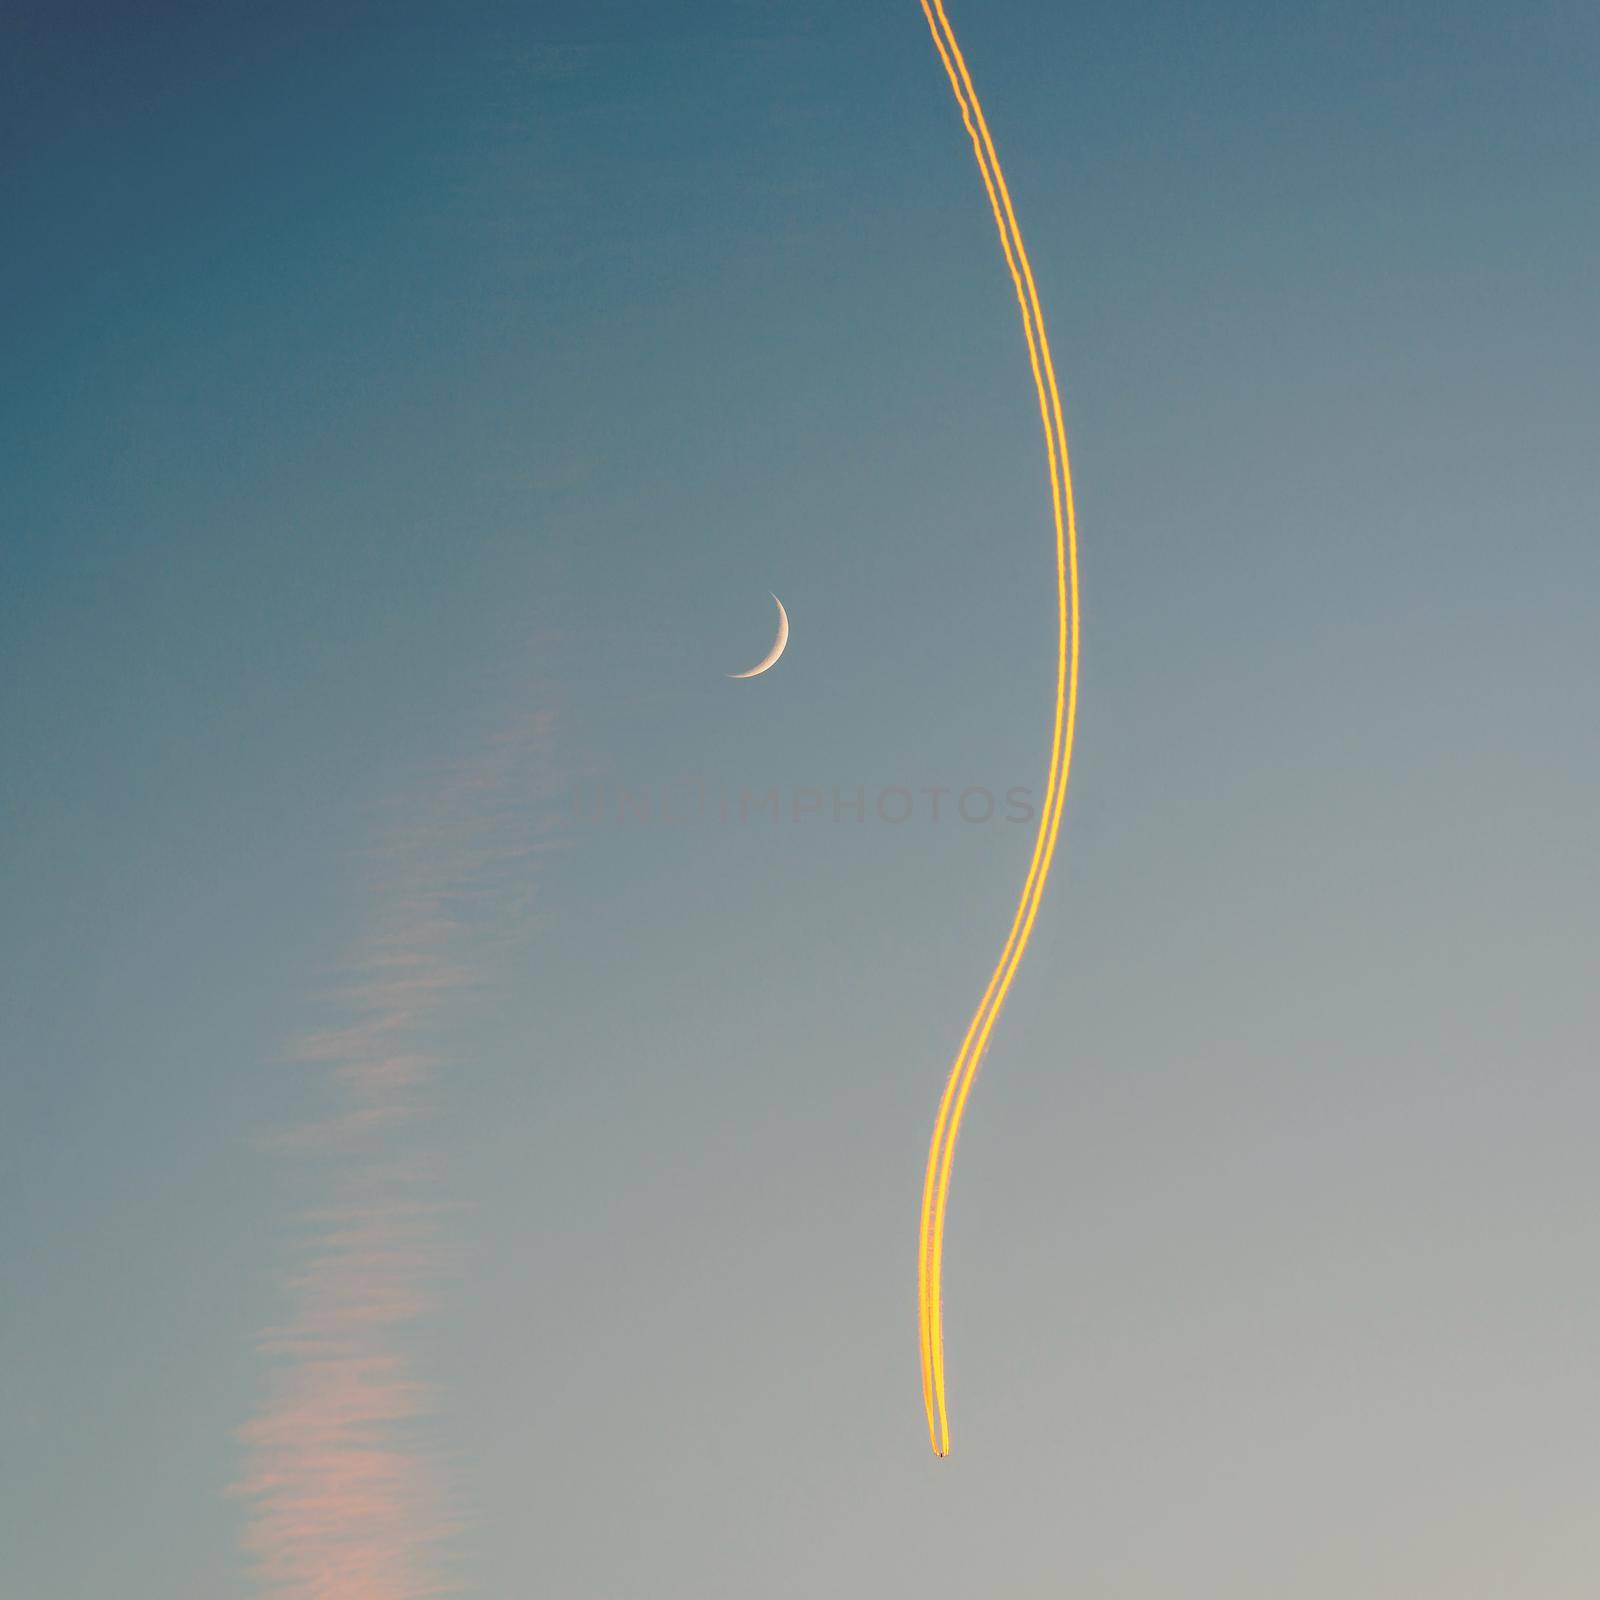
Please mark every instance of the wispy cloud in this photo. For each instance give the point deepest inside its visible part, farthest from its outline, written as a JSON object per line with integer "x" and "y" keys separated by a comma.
{"x": 350, "y": 1498}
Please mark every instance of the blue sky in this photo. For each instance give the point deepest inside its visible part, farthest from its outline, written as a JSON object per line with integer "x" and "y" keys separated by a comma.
{"x": 380, "y": 378}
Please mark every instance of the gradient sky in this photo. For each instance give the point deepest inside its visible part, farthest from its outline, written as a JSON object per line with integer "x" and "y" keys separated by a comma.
{"x": 382, "y": 380}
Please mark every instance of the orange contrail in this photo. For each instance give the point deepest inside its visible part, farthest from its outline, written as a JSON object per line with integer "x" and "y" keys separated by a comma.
{"x": 947, "y": 1124}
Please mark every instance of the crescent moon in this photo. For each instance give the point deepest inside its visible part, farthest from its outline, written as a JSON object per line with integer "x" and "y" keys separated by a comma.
{"x": 778, "y": 645}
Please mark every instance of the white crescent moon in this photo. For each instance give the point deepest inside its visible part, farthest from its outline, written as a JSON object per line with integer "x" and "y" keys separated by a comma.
{"x": 778, "y": 645}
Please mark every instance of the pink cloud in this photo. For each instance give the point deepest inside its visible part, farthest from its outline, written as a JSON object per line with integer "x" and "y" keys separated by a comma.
{"x": 347, "y": 1497}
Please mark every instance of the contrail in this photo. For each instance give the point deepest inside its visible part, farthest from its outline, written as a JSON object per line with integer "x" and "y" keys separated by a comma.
{"x": 947, "y": 1124}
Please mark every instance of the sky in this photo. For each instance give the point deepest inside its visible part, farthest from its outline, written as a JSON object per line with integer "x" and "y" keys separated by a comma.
{"x": 423, "y": 1172}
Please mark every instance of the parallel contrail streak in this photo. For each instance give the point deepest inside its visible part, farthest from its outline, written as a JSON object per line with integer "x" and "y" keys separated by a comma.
{"x": 947, "y": 1124}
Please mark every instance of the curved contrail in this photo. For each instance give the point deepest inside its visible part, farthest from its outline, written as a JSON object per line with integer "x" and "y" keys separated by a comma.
{"x": 947, "y": 1124}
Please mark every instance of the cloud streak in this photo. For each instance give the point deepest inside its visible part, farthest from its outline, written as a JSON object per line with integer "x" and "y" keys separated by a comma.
{"x": 349, "y": 1497}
